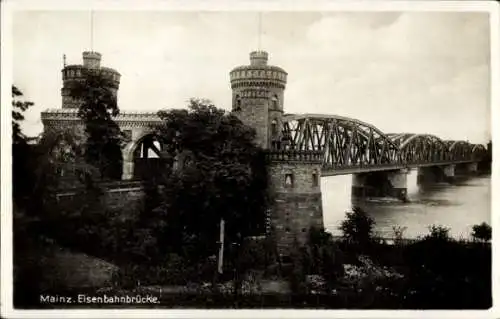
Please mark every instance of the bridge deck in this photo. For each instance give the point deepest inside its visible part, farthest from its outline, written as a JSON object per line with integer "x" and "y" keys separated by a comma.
{"x": 356, "y": 169}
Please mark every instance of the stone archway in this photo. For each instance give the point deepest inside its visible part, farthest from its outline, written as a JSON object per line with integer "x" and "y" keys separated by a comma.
{"x": 142, "y": 157}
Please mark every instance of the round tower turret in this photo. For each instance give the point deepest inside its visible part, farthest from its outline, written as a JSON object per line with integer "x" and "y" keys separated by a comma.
{"x": 258, "y": 94}
{"x": 91, "y": 59}
{"x": 73, "y": 74}
{"x": 258, "y": 58}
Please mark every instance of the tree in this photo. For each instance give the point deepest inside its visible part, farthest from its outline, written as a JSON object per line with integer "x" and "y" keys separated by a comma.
{"x": 54, "y": 147}
{"x": 481, "y": 232}
{"x": 438, "y": 233}
{"x": 398, "y": 232}
{"x": 97, "y": 108}
{"x": 61, "y": 153}
{"x": 18, "y": 107}
{"x": 22, "y": 152}
{"x": 219, "y": 173}
{"x": 357, "y": 227}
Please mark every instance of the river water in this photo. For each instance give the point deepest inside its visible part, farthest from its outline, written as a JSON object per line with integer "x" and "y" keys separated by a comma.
{"x": 457, "y": 207}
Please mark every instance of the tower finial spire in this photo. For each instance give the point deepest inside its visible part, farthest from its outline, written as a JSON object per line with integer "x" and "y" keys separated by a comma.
{"x": 260, "y": 31}
{"x": 91, "y": 30}
{"x": 64, "y": 60}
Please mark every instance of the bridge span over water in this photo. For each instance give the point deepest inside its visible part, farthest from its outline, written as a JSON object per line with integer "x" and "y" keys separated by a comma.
{"x": 350, "y": 146}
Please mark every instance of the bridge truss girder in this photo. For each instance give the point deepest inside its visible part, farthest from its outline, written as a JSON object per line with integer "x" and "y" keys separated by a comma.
{"x": 345, "y": 142}
{"x": 421, "y": 148}
{"x": 349, "y": 143}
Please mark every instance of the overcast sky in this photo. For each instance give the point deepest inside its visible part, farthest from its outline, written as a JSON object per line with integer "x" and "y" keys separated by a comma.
{"x": 402, "y": 72}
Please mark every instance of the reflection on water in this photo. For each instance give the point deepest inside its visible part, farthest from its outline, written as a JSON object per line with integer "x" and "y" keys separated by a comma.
{"x": 458, "y": 206}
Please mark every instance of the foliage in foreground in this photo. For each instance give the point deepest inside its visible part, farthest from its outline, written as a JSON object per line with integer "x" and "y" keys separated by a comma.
{"x": 218, "y": 173}
{"x": 22, "y": 161}
{"x": 357, "y": 227}
{"x": 19, "y": 106}
{"x": 434, "y": 272}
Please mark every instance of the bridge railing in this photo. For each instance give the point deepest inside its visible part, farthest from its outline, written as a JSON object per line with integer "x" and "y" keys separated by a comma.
{"x": 394, "y": 165}
{"x": 362, "y": 167}
{"x": 446, "y": 161}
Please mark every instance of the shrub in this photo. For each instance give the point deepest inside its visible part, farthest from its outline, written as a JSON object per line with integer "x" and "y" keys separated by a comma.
{"x": 438, "y": 233}
{"x": 297, "y": 275}
{"x": 323, "y": 257}
{"x": 398, "y": 232}
{"x": 357, "y": 227}
{"x": 481, "y": 232}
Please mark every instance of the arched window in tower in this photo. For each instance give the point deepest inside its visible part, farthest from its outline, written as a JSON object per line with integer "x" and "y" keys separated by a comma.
{"x": 289, "y": 179}
{"x": 275, "y": 101}
{"x": 315, "y": 178}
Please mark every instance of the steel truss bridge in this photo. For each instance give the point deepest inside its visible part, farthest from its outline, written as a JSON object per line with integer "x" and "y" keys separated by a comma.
{"x": 352, "y": 146}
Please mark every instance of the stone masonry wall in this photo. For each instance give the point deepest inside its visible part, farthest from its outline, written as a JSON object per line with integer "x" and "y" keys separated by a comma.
{"x": 124, "y": 198}
{"x": 295, "y": 207}
{"x": 293, "y": 215}
{"x": 115, "y": 197}
{"x": 254, "y": 114}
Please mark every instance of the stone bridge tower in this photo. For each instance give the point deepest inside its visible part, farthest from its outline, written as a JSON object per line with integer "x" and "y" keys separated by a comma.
{"x": 136, "y": 125}
{"x": 72, "y": 74}
{"x": 294, "y": 175}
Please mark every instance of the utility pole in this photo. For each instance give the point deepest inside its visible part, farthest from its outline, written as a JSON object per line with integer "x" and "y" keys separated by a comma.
{"x": 220, "y": 258}
{"x": 221, "y": 247}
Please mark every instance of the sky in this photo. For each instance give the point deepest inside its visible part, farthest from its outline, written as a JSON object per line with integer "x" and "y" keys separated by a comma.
{"x": 417, "y": 72}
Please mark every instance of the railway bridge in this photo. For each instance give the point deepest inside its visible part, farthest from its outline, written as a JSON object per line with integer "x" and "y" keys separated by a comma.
{"x": 351, "y": 146}
{"x": 374, "y": 158}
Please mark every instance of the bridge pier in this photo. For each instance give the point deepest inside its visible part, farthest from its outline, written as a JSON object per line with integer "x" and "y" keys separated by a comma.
{"x": 449, "y": 173}
{"x": 428, "y": 175}
{"x": 380, "y": 184}
{"x": 398, "y": 180}
{"x": 466, "y": 170}
{"x": 472, "y": 168}
{"x": 436, "y": 174}
{"x": 358, "y": 185}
